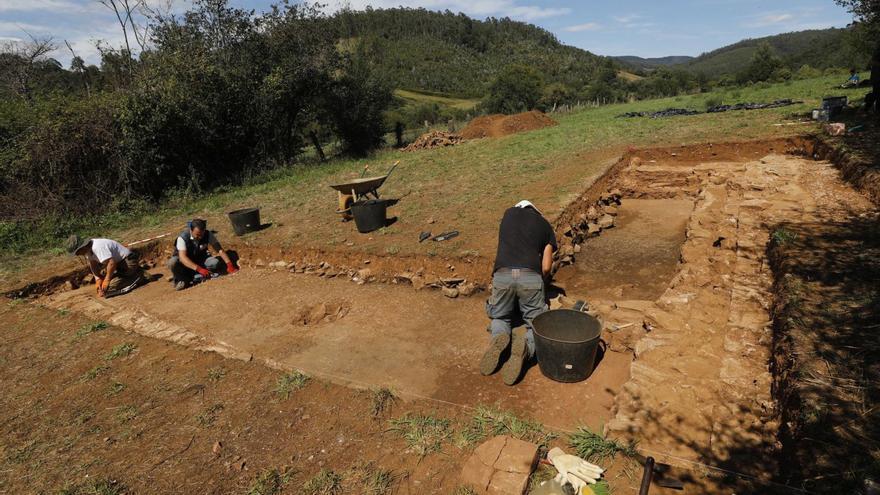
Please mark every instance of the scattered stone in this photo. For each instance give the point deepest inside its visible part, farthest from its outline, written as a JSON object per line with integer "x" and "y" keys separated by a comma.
{"x": 431, "y": 221}
{"x": 593, "y": 230}
{"x": 468, "y": 289}
{"x": 606, "y": 222}
{"x": 367, "y": 262}
{"x": 364, "y": 274}
{"x": 325, "y": 312}
{"x": 291, "y": 266}
{"x": 217, "y": 448}
{"x": 88, "y": 279}
{"x": 259, "y": 262}
{"x": 278, "y": 264}
{"x": 452, "y": 281}
{"x": 323, "y": 264}
{"x": 611, "y": 210}
{"x": 577, "y": 248}
{"x": 418, "y": 282}
{"x": 68, "y": 286}
{"x": 566, "y": 250}
{"x": 450, "y": 292}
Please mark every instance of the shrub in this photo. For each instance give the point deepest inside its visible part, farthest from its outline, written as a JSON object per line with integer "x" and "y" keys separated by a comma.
{"x": 516, "y": 89}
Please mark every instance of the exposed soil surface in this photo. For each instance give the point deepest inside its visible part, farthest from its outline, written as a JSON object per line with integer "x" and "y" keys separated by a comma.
{"x": 634, "y": 260}
{"x": 492, "y": 126}
{"x": 682, "y": 282}
{"x": 416, "y": 342}
{"x": 164, "y": 419}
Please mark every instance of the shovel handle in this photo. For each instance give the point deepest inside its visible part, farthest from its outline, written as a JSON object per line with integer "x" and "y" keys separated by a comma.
{"x": 647, "y": 476}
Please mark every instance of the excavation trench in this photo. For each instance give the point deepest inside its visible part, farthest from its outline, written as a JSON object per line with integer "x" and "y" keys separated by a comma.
{"x": 679, "y": 280}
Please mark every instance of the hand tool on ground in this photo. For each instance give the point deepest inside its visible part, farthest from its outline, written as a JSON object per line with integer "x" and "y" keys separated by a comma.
{"x": 647, "y": 476}
{"x": 424, "y": 236}
{"x": 125, "y": 290}
{"x": 445, "y": 236}
{"x": 660, "y": 473}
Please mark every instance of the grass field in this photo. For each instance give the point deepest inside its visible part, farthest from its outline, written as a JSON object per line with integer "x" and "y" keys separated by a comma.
{"x": 466, "y": 187}
{"x": 416, "y": 97}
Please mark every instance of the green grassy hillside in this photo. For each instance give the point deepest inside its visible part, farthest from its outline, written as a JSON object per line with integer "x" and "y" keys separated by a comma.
{"x": 818, "y": 48}
{"x": 637, "y": 63}
{"x": 454, "y": 54}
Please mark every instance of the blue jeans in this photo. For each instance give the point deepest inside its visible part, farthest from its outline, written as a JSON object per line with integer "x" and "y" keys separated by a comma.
{"x": 512, "y": 287}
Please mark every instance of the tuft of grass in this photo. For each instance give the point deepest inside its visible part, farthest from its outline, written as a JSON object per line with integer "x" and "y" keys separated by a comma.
{"x": 97, "y": 487}
{"x": 270, "y": 482}
{"x": 115, "y": 388}
{"x": 491, "y": 421}
{"x": 126, "y": 414}
{"x": 423, "y": 434}
{"x": 541, "y": 474}
{"x": 207, "y": 417}
{"x": 464, "y": 490}
{"x": 93, "y": 373}
{"x": 367, "y": 479}
{"x": 91, "y": 328}
{"x": 783, "y": 236}
{"x": 595, "y": 448}
{"x": 23, "y": 453}
{"x": 216, "y": 373}
{"x": 382, "y": 400}
{"x": 291, "y": 382}
{"x": 121, "y": 350}
{"x": 325, "y": 482}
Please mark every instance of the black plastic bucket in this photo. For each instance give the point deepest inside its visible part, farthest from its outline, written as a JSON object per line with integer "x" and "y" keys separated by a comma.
{"x": 369, "y": 215}
{"x": 245, "y": 220}
{"x": 566, "y": 342}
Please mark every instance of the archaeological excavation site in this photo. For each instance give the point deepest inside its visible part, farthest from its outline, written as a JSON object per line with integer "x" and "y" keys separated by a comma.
{"x": 702, "y": 263}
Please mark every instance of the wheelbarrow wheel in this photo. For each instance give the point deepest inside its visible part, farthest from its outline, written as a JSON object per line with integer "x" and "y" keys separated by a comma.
{"x": 345, "y": 202}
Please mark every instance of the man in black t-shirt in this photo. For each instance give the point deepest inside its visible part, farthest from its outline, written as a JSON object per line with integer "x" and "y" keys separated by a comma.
{"x": 526, "y": 242}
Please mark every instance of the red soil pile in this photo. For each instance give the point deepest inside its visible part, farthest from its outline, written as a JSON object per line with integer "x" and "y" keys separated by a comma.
{"x": 503, "y": 125}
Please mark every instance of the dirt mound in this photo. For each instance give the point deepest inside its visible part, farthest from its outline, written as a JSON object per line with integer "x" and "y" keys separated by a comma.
{"x": 503, "y": 125}
{"x": 434, "y": 139}
{"x": 326, "y": 312}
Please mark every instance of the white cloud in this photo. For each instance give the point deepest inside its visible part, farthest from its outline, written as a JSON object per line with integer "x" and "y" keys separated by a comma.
{"x": 589, "y": 26}
{"x": 771, "y": 19}
{"x": 42, "y": 6}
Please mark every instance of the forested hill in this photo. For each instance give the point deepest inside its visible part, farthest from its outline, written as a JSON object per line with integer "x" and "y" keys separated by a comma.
{"x": 819, "y": 49}
{"x": 652, "y": 63}
{"x": 452, "y": 53}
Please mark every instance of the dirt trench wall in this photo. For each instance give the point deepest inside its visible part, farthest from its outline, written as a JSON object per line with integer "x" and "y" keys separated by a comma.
{"x": 863, "y": 175}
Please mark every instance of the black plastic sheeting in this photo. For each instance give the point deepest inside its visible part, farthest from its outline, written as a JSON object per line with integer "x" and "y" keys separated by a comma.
{"x": 675, "y": 112}
{"x": 669, "y": 112}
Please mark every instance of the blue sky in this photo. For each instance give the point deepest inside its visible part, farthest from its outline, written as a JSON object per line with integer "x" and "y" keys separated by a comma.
{"x": 622, "y": 27}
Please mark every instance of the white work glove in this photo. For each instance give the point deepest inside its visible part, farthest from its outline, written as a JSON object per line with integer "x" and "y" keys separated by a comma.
{"x": 573, "y": 470}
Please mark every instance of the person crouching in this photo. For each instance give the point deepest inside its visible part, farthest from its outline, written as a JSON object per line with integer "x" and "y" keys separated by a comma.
{"x": 115, "y": 267}
{"x": 192, "y": 256}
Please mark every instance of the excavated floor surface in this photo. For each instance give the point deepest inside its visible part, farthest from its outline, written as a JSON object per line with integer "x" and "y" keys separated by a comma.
{"x": 417, "y": 342}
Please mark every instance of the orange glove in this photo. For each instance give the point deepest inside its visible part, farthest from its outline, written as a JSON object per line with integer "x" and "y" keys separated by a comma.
{"x": 203, "y": 271}
{"x": 102, "y": 288}
{"x": 99, "y": 282}
{"x": 230, "y": 268}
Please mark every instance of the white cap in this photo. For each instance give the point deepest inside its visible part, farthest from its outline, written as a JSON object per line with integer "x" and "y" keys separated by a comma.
{"x": 527, "y": 204}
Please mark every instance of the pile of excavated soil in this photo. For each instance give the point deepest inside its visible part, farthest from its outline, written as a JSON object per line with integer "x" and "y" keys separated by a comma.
{"x": 503, "y": 125}
{"x": 434, "y": 139}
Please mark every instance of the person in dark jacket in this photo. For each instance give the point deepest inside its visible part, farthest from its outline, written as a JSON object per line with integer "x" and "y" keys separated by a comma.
{"x": 526, "y": 242}
{"x": 192, "y": 261}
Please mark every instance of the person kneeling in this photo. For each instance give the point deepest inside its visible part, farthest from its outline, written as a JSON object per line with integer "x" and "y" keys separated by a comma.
{"x": 116, "y": 268}
{"x": 526, "y": 242}
{"x": 191, "y": 261}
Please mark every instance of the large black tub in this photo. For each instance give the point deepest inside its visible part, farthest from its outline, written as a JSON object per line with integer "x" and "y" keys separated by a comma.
{"x": 566, "y": 342}
{"x": 369, "y": 215}
{"x": 245, "y": 220}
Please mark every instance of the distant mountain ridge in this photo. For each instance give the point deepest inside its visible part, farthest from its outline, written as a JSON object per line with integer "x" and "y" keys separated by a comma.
{"x": 635, "y": 62}
{"x": 818, "y": 48}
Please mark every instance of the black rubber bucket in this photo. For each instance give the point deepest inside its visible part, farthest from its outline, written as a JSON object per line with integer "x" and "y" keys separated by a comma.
{"x": 245, "y": 220}
{"x": 566, "y": 342}
{"x": 369, "y": 215}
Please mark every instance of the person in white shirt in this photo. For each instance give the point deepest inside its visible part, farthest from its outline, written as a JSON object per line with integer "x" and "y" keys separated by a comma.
{"x": 115, "y": 267}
